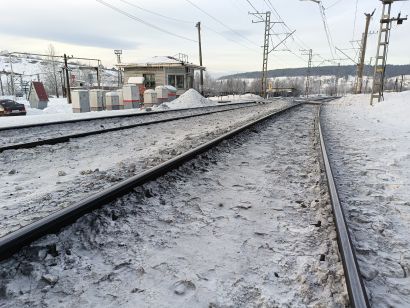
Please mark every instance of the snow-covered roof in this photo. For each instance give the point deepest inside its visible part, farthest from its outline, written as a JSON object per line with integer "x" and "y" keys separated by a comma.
{"x": 161, "y": 61}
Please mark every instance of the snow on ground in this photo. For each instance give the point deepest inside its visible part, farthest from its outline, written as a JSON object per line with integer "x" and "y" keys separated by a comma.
{"x": 370, "y": 151}
{"x": 44, "y": 179}
{"x": 233, "y": 98}
{"x": 29, "y": 134}
{"x": 59, "y": 110}
{"x": 235, "y": 228}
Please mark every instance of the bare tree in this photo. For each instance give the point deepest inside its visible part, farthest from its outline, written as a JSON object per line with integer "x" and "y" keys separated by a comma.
{"x": 51, "y": 70}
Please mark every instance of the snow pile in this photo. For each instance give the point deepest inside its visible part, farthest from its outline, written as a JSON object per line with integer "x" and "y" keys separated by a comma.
{"x": 393, "y": 112}
{"x": 190, "y": 99}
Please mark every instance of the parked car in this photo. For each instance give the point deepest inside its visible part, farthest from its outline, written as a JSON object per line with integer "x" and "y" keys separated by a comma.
{"x": 9, "y": 107}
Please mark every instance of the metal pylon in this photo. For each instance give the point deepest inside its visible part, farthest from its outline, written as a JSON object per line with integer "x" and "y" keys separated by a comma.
{"x": 381, "y": 56}
{"x": 265, "y": 54}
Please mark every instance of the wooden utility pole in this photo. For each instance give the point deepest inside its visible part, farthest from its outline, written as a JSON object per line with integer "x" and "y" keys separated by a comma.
{"x": 201, "y": 72}
{"x": 67, "y": 79}
{"x": 2, "y": 91}
{"x": 12, "y": 76}
{"x": 360, "y": 65}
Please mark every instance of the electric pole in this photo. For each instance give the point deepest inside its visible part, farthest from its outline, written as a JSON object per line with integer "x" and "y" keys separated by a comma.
{"x": 360, "y": 65}
{"x": 337, "y": 79}
{"x": 67, "y": 79}
{"x": 201, "y": 72}
{"x": 265, "y": 18}
{"x": 2, "y": 91}
{"x": 12, "y": 76}
{"x": 308, "y": 53}
{"x": 382, "y": 48}
{"x": 118, "y": 52}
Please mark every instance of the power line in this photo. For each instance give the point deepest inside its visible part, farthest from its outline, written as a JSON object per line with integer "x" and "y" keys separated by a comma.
{"x": 220, "y": 22}
{"x": 333, "y": 4}
{"x": 300, "y": 44}
{"x": 355, "y": 20}
{"x": 144, "y": 22}
{"x": 227, "y": 38}
{"x": 157, "y": 14}
{"x": 185, "y": 22}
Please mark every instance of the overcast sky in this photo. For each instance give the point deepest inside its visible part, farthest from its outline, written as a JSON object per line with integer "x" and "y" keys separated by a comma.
{"x": 231, "y": 42}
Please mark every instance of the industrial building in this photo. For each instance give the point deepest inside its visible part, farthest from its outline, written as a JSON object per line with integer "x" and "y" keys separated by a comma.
{"x": 162, "y": 71}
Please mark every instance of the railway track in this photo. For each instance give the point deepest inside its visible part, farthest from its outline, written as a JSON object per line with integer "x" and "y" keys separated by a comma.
{"x": 116, "y": 116}
{"x": 15, "y": 241}
{"x": 14, "y": 138}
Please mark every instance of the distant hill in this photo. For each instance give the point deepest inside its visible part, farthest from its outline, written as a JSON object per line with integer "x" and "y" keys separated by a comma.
{"x": 345, "y": 70}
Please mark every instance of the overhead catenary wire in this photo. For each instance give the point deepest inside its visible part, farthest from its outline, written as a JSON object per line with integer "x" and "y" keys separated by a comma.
{"x": 333, "y": 4}
{"x": 221, "y": 23}
{"x": 156, "y": 13}
{"x": 144, "y": 22}
{"x": 285, "y": 27}
{"x": 184, "y": 22}
{"x": 355, "y": 20}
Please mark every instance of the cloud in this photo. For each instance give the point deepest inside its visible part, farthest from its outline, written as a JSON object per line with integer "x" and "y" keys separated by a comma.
{"x": 73, "y": 36}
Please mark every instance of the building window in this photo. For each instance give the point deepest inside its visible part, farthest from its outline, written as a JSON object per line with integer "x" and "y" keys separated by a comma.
{"x": 176, "y": 81}
{"x": 149, "y": 81}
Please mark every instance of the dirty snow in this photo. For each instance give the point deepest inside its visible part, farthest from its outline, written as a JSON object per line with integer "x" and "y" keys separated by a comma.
{"x": 12, "y": 136}
{"x": 59, "y": 110}
{"x": 47, "y": 178}
{"x": 370, "y": 151}
{"x": 238, "y": 227}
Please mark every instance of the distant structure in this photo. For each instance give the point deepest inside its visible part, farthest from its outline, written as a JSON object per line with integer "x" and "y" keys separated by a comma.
{"x": 163, "y": 71}
{"x": 38, "y": 96}
{"x": 282, "y": 92}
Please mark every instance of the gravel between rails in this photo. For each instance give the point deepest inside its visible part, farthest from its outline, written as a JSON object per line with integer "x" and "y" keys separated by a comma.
{"x": 237, "y": 227}
{"x": 24, "y": 135}
{"x": 44, "y": 179}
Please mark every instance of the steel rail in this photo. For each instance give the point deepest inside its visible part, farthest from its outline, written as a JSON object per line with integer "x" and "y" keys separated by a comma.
{"x": 14, "y": 241}
{"x": 140, "y": 114}
{"x": 66, "y": 138}
{"x": 355, "y": 286}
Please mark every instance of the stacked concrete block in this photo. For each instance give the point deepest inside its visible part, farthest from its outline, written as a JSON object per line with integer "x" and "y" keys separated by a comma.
{"x": 112, "y": 101}
{"x": 162, "y": 94}
{"x": 80, "y": 101}
{"x": 131, "y": 96}
{"x": 150, "y": 98}
{"x": 97, "y": 100}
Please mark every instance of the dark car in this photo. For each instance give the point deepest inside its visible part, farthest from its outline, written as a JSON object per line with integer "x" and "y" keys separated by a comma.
{"x": 9, "y": 107}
